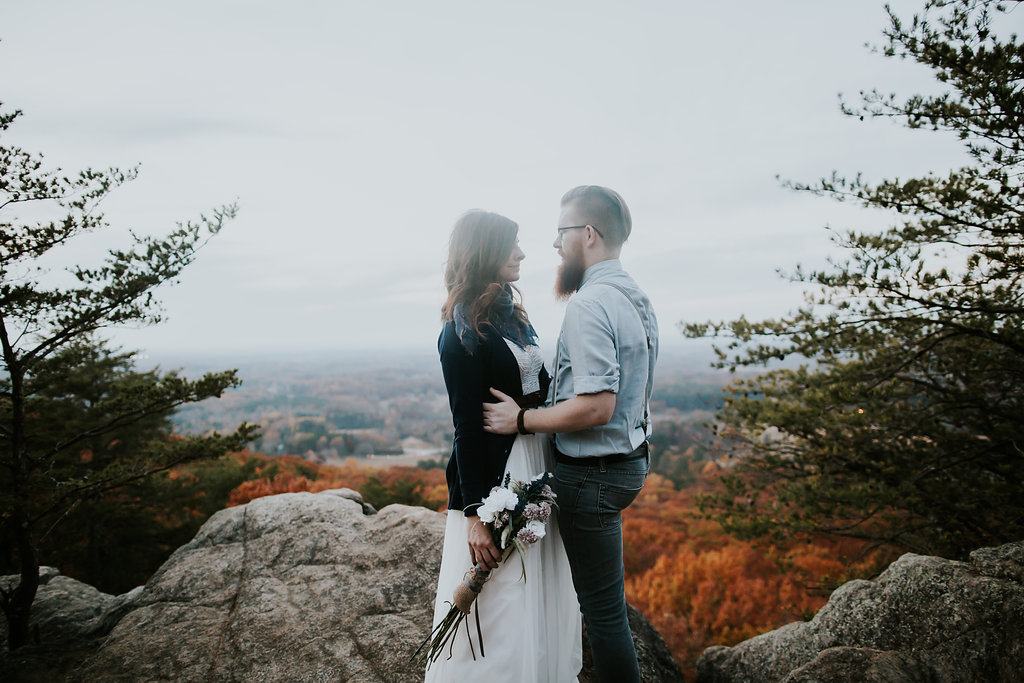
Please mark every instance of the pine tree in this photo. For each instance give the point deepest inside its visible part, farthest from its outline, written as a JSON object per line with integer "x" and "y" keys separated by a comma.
{"x": 67, "y": 434}
{"x": 905, "y": 423}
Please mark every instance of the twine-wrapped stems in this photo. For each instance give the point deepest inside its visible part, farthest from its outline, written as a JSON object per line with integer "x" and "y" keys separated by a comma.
{"x": 444, "y": 633}
{"x": 472, "y": 582}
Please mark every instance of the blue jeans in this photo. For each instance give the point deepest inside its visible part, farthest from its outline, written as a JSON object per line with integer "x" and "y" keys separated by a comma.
{"x": 591, "y": 499}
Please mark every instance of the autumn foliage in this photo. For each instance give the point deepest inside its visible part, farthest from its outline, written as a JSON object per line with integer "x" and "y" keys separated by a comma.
{"x": 699, "y": 586}
{"x": 121, "y": 538}
{"x": 378, "y": 486}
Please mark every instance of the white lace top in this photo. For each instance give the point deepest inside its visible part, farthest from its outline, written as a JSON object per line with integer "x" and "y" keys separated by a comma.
{"x": 530, "y": 362}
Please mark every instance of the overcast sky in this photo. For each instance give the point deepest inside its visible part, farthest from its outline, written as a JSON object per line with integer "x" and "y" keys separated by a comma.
{"x": 353, "y": 134}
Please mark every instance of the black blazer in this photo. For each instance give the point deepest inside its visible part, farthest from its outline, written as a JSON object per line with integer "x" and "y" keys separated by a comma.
{"x": 478, "y": 458}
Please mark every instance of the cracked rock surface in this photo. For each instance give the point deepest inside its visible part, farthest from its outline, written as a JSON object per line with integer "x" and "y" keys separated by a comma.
{"x": 295, "y": 587}
{"x": 291, "y": 587}
{"x": 923, "y": 619}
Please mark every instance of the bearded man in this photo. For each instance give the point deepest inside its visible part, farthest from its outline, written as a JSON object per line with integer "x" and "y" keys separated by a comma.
{"x": 598, "y": 412}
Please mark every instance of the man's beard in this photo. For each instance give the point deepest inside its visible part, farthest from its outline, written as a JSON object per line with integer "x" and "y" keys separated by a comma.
{"x": 570, "y": 276}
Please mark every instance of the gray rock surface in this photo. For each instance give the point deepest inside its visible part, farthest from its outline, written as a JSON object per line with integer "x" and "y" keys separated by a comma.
{"x": 352, "y": 495}
{"x": 923, "y": 619}
{"x": 652, "y": 654}
{"x": 290, "y": 587}
{"x": 294, "y": 587}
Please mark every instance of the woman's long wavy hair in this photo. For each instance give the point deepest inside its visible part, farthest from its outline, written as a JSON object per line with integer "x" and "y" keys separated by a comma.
{"x": 480, "y": 245}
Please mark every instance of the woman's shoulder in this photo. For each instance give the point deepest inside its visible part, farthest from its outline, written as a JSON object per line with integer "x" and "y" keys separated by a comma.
{"x": 451, "y": 342}
{"x": 447, "y": 328}
{"x": 449, "y": 337}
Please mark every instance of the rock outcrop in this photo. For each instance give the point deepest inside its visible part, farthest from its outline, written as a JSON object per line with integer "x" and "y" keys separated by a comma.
{"x": 923, "y": 619}
{"x": 294, "y": 587}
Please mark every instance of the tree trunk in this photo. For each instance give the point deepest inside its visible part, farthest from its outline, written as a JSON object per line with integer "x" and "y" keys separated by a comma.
{"x": 18, "y": 608}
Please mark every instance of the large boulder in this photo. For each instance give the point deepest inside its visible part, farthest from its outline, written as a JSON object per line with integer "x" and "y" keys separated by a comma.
{"x": 290, "y": 587}
{"x": 70, "y": 611}
{"x": 68, "y": 617}
{"x": 294, "y": 587}
{"x": 923, "y": 619}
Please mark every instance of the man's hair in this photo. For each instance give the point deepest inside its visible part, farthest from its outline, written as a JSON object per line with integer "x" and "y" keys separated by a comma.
{"x": 604, "y": 209}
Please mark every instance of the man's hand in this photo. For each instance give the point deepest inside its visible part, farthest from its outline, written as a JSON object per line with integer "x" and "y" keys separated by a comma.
{"x": 579, "y": 412}
{"x": 482, "y": 550}
{"x": 500, "y": 418}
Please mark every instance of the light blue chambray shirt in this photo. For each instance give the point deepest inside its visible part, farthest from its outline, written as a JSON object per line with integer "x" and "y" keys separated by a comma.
{"x": 603, "y": 347}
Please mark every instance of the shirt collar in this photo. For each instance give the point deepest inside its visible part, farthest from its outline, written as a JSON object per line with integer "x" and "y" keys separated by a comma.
{"x": 600, "y": 270}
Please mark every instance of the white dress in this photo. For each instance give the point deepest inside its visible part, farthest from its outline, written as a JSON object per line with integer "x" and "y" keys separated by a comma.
{"x": 531, "y": 628}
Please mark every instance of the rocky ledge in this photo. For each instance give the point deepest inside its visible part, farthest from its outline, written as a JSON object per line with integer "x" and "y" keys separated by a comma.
{"x": 294, "y": 587}
{"x": 923, "y": 619}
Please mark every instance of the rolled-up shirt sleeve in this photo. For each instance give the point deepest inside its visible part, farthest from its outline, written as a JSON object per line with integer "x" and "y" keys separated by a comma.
{"x": 590, "y": 340}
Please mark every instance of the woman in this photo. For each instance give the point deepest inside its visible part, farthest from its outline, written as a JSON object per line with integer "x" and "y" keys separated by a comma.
{"x": 530, "y": 625}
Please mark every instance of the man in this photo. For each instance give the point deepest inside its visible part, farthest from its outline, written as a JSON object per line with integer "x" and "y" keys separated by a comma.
{"x": 599, "y": 398}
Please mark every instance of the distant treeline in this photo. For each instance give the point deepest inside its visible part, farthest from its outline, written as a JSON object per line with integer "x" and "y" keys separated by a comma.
{"x": 325, "y": 416}
{"x": 687, "y": 396}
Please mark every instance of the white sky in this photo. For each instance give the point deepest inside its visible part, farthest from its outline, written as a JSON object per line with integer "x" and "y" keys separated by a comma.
{"x": 353, "y": 134}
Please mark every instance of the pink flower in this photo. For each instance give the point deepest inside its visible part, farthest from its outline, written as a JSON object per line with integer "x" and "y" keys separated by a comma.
{"x": 537, "y": 512}
{"x": 526, "y": 535}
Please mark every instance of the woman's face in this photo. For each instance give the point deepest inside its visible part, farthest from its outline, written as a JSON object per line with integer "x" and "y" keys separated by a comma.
{"x": 510, "y": 271}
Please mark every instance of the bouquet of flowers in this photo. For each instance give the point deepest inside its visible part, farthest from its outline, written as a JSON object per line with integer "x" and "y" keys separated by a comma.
{"x": 516, "y": 514}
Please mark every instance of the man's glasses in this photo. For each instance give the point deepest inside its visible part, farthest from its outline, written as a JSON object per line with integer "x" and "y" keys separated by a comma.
{"x": 579, "y": 227}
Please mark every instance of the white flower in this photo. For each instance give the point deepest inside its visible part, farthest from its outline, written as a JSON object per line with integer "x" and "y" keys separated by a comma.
{"x": 537, "y": 527}
{"x": 499, "y": 499}
{"x": 506, "y": 498}
{"x": 485, "y": 513}
{"x": 488, "y": 509}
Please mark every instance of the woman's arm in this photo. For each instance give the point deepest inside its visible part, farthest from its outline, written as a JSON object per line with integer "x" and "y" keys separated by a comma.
{"x": 463, "y": 374}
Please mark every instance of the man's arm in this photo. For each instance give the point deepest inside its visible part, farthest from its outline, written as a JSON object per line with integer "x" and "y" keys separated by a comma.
{"x": 580, "y": 412}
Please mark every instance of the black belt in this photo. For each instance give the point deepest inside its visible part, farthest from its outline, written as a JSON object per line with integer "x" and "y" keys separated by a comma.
{"x": 597, "y": 460}
{"x": 532, "y": 400}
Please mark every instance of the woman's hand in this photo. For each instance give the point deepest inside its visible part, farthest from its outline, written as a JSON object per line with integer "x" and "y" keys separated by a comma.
{"x": 482, "y": 550}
